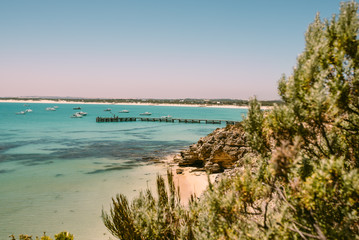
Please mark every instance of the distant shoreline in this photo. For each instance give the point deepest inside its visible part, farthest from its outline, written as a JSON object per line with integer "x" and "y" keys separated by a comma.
{"x": 126, "y": 103}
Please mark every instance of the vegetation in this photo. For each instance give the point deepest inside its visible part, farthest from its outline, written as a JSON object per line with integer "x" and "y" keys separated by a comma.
{"x": 299, "y": 181}
{"x": 160, "y": 217}
{"x": 188, "y": 101}
{"x": 60, "y": 236}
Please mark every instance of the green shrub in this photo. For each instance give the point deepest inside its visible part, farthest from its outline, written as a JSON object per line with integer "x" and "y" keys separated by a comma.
{"x": 300, "y": 179}
{"x": 60, "y": 236}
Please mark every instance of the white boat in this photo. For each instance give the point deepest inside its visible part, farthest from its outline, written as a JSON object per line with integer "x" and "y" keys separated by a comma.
{"x": 56, "y": 106}
{"x": 107, "y": 109}
{"x": 146, "y": 113}
{"x": 124, "y": 111}
{"x": 21, "y": 113}
{"x": 28, "y": 110}
{"x": 167, "y": 117}
{"x": 82, "y": 113}
{"x": 50, "y": 109}
{"x": 76, "y": 115}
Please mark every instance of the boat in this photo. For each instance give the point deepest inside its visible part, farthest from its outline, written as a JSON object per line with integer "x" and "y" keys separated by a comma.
{"x": 124, "y": 111}
{"x": 28, "y": 110}
{"x": 76, "y": 115}
{"x": 21, "y": 113}
{"x": 146, "y": 113}
{"x": 56, "y": 106}
{"x": 50, "y": 109}
{"x": 82, "y": 113}
{"x": 76, "y": 108}
{"x": 107, "y": 109}
{"x": 167, "y": 117}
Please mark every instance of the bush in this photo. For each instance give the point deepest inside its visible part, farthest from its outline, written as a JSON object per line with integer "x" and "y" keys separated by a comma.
{"x": 299, "y": 180}
{"x": 60, "y": 236}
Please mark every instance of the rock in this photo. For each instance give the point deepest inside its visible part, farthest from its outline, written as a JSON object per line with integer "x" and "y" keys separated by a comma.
{"x": 193, "y": 147}
{"x": 217, "y": 151}
{"x": 221, "y": 135}
{"x": 179, "y": 170}
{"x": 213, "y": 168}
{"x": 177, "y": 158}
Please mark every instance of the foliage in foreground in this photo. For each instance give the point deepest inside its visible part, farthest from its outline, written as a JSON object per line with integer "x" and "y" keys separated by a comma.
{"x": 299, "y": 181}
{"x": 59, "y": 236}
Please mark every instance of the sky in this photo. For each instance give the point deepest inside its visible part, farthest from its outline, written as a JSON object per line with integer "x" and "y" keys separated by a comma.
{"x": 234, "y": 49}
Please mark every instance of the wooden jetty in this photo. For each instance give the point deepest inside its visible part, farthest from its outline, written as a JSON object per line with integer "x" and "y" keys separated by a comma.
{"x": 171, "y": 120}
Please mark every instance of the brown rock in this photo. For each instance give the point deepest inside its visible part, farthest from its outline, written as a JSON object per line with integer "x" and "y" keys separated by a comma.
{"x": 213, "y": 168}
{"x": 222, "y": 147}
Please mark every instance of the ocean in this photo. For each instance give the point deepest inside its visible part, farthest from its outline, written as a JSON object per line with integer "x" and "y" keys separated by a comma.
{"x": 57, "y": 173}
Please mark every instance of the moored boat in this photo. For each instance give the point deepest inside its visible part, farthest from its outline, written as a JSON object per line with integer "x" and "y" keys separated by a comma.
{"x": 82, "y": 113}
{"x": 76, "y": 115}
{"x": 146, "y": 113}
{"x": 124, "y": 111}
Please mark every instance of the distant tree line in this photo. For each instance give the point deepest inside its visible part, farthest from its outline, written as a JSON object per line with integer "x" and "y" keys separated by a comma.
{"x": 203, "y": 102}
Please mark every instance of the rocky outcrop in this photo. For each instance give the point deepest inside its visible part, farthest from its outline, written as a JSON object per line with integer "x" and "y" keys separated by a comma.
{"x": 217, "y": 151}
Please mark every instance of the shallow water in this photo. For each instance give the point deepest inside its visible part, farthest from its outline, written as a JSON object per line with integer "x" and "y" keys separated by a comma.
{"x": 57, "y": 172}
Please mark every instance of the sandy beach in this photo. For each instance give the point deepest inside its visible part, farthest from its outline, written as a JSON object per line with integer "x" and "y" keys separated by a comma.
{"x": 190, "y": 181}
{"x": 134, "y": 103}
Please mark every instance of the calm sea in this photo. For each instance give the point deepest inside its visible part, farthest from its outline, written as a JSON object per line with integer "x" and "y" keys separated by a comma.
{"x": 57, "y": 173}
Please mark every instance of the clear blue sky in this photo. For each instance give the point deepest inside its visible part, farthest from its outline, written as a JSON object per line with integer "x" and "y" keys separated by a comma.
{"x": 150, "y": 48}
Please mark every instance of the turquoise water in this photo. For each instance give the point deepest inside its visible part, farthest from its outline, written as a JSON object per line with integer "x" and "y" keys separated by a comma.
{"x": 57, "y": 173}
